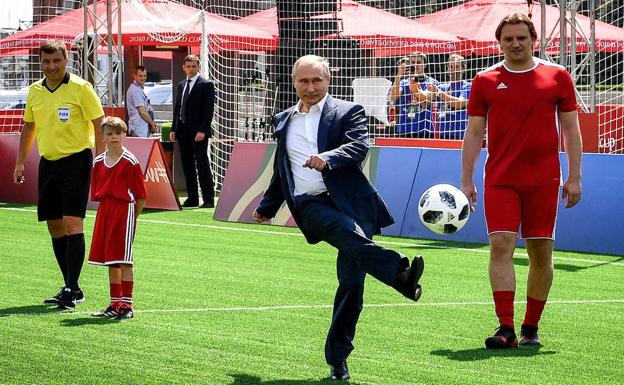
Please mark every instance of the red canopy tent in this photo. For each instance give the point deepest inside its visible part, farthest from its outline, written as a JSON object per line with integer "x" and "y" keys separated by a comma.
{"x": 141, "y": 27}
{"x": 64, "y": 27}
{"x": 383, "y": 32}
{"x": 476, "y": 22}
{"x": 222, "y": 32}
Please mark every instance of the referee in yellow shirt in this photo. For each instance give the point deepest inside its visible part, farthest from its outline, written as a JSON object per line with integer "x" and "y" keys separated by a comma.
{"x": 61, "y": 112}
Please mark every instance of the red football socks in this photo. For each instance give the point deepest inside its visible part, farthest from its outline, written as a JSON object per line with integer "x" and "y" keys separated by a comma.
{"x": 115, "y": 294}
{"x": 534, "y": 310}
{"x": 504, "y": 303}
{"x": 126, "y": 297}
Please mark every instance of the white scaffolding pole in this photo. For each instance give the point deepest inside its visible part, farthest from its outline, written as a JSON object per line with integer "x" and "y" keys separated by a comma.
{"x": 203, "y": 52}
{"x": 98, "y": 34}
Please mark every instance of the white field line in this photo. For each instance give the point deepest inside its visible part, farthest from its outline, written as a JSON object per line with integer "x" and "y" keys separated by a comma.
{"x": 316, "y": 307}
{"x": 393, "y": 243}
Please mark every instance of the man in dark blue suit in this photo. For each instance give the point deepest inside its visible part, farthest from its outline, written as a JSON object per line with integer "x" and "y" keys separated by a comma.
{"x": 321, "y": 143}
{"x": 192, "y": 127}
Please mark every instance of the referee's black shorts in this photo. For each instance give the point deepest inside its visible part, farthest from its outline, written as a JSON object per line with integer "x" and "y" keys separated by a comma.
{"x": 64, "y": 186}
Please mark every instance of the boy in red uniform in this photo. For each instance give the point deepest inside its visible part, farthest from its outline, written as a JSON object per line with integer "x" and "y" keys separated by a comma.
{"x": 118, "y": 184}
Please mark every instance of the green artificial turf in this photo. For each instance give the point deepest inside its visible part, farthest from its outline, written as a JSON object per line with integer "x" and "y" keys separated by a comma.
{"x": 227, "y": 303}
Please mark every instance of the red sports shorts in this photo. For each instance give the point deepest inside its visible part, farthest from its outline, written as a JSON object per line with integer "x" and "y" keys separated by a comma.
{"x": 113, "y": 233}
{"x": 533, "y": 208}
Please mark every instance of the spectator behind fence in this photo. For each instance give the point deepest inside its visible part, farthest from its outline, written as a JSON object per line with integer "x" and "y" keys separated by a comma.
{"x": 321, "y": 144}
{"x": 410, "y": 95}
{"x": 61, "y": 112}
{"x": 140, "y": 113}
{"x": 452, "y": 100}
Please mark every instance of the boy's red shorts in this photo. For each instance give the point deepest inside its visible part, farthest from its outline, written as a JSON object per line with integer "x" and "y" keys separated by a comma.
{"x": 113, "y": 233}
{"x": 533, "y": 208}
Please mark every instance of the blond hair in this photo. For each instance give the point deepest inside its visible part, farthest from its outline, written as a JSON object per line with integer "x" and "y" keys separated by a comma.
{"x": 457, "y": 58}
{"x": 115, "y": 124}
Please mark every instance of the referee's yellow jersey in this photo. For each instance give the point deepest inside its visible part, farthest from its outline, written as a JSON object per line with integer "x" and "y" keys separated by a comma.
{"x": 63, "y": 117}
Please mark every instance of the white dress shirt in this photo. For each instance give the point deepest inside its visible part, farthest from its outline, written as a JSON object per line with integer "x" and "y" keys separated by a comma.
{"x": 193, "y": 81}
{"x": 301, "y": 142}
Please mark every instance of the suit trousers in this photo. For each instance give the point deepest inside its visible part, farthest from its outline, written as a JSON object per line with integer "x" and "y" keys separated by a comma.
{"x": 195, "y": 163}
{"x": 358, "y": 255}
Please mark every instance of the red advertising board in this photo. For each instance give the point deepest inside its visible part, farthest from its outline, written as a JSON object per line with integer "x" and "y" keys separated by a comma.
{"x": 161, "y": 193}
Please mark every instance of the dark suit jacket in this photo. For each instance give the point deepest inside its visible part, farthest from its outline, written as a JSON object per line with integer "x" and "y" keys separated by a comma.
{"x": 198, "y": 110}
{"x": 343, "y": 143}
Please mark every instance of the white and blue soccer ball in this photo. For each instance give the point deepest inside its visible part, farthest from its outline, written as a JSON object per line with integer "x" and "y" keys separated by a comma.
{"x": 443, "y": 209}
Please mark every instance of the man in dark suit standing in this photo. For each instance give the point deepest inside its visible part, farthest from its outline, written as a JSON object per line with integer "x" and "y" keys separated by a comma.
{"x": 321, "y": 143}
{"x": 192, "y": 127}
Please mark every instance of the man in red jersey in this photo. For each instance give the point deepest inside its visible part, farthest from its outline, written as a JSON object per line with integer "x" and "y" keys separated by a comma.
{"x": 524, "y": 101}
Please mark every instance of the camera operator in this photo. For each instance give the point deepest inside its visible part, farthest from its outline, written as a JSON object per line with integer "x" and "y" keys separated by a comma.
{"x": 411, "y": 96}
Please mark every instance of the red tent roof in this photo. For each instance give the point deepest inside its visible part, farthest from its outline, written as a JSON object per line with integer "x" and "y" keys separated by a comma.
{"x": 476, "y": 21}
{"x": 223, "y": 33}
{"x": 64, "y": 27}
{"x": 384, "y": 32}
{"x": 142, "y": 24}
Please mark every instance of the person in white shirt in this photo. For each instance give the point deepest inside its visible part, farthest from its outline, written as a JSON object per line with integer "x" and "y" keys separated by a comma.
{"x": 321, "y": 144}
{"x": 140, "y": 113}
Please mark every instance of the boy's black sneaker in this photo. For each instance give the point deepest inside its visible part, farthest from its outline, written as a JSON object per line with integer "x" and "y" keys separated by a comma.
{"x": 125, "y": 312}
{"x": 529, "y": 336}
{"x": 505, "y": 337}
{"x": 68, "y": 299}
{"x": 54, "y": 300}
{"x": 109, "y": 312}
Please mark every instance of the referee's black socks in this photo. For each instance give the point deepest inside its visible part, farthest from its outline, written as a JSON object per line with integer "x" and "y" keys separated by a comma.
{"x": 59, "y": 245}
{"x": 74, "y": 258}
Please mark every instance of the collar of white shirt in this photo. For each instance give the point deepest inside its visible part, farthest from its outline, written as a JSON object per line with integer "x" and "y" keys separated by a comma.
{"x": 317, "y": 107}
{"x": 194, "y": 78}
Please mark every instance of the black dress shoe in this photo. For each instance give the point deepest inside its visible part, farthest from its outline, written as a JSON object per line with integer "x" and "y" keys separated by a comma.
{"x": 407, "y": 281}
{"x": 190, "y": 203}
{"x": 340, "y": 372}
{"x": 207, "y": 205}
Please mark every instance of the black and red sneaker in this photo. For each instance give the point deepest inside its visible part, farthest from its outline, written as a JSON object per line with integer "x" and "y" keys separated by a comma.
{"x": 505, "y": 337}
{"x": 529, "y": 336}
{"x": 125, "y": 312}
{"x": 109, "y": 312}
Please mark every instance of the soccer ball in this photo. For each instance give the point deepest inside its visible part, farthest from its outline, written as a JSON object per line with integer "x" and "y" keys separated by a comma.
{"x": 443, "y": 209}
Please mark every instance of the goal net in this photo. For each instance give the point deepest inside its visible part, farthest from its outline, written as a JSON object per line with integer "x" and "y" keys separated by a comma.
{"x": 374, "y": 48}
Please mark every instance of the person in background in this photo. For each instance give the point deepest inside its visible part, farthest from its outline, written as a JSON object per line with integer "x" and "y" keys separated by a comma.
{"x": 321, "y": 144}
{"x": 452, "y": 100}
{"x": 410, "y": 95}
{"x": 140, "y": 113}
{"x": 61, "y": 112}
{"x": 525, "y": 103}
{"x": 192, "y": 128}
{"x": 118, "y": 184}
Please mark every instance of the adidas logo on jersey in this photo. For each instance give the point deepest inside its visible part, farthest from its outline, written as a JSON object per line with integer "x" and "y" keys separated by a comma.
{"x": 501, "y": 86}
